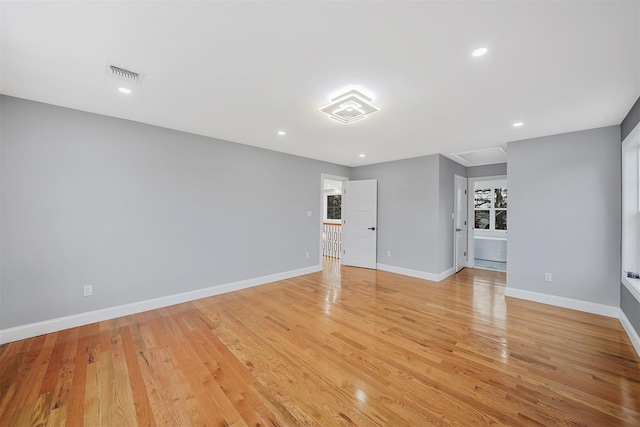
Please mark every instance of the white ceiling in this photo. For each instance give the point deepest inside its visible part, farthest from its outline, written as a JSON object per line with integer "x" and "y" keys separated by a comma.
{"x": 242, "y": 71}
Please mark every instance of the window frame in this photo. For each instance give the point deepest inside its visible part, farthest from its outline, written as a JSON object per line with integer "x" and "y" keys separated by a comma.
{"x": 492, "y": 207}
{"x": 630, "y": 239}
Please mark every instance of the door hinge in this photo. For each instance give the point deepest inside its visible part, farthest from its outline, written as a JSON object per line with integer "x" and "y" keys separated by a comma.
{"x": 465, "y": 254}
{"x": 465, "y": 191}
{"x": 465, "y": 223}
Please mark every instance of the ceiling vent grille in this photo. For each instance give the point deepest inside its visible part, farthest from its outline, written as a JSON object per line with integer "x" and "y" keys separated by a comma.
{"x": 121, "y": 73}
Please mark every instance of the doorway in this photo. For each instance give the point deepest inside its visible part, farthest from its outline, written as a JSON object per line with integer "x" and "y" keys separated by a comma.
{"x": 360, "y": 235}
{"x": 331, "y": 218}
{"x": 488, "y": 207}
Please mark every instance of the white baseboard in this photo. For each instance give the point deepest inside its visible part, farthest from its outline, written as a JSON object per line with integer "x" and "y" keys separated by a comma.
{"x": 416, "y": 273}
{"x": 574, "y": 304}
{"x": 632, "y": 333}
{"x": 61, "y": 323}
{"x": 586, "y": 306}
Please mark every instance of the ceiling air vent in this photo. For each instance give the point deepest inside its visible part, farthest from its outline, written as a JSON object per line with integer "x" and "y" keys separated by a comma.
{"x": 481, "y": 157}
{"x": 121, "y": 73}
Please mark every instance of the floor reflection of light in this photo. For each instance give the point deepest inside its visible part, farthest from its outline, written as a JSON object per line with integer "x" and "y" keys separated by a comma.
{"x": 332, "y": 282}
{"x": 490, "y": 309}
{"x": 361, "y": 395}
{"x": 330, "y": 298}
{"x": 486, "y": 303}
{"x": 504, "y": 352}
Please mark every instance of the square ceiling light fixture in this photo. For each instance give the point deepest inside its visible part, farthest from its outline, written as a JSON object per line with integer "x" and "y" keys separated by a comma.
{"x": 350, "y": 107}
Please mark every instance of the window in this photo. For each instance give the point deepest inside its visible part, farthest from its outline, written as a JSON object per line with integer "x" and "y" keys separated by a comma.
{"x": 334, "y": 206}
{"x": 631, "y": 210}
{"x": 490, "y": 206}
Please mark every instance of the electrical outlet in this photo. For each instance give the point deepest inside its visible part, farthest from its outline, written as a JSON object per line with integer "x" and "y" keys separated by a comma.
{"x": 388, "y": 253}
{"x": 307, "y": 256}
{"x": 88, "y": 291}
{"x": 308, "y": 213}
{"x": 547, "y": 277}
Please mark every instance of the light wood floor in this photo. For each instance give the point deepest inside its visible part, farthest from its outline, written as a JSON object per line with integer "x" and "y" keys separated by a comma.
{"x": 343, "y": 347}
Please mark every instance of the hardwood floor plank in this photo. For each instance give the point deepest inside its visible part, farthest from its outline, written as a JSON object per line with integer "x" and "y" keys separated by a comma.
{"x": 92, "y": 398}
{"x": 144, "y": 416}
{"x": 238, "y": 399}
{"x": 64, "y": 381}
{"x": 344, "y": 346}
{"x": 124, "y": 402}
{"x": 159, "y": 408}
{"x": 75, "y": 406}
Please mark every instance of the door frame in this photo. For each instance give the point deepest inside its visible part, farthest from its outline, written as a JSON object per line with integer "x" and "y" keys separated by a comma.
{"x": 456, "y": 178}
{"x": 324, "y": 176}
{"x": 471, "y": 182}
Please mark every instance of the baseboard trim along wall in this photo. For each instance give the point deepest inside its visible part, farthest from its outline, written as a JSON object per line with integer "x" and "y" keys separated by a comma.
{"x": 416, "y": 273}
{"x": 574, "y": 304}
{"x": 633, "y": 335}
{"x": 586, "y": 306}
{"x": 61, "y": 323}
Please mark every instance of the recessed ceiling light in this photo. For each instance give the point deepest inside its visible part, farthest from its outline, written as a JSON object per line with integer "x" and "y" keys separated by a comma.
{"x": 480, "y": 51}
{"x": 361, "y": 155}
{"x": 515, "y": 125}
{"x": 124, "y": 90}
{"x": 281, "y": 132}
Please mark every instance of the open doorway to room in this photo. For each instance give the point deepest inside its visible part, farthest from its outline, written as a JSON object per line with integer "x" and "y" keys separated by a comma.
{"x": 488, "y": 207}
{"x": 331, "y": 239}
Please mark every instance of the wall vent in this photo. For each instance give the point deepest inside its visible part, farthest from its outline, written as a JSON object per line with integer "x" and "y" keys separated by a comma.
{"x": 124, "y": 74}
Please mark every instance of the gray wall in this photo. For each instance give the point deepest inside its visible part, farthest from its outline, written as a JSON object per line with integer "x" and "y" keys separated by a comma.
{"x": 448, "y": 169}
{"x": 487, "y": 170}
{"x": 565, "y": 215}
{"x": 415, "y": 203}
{"x": 140, "y": 212}
{"x": 408, "y": 199}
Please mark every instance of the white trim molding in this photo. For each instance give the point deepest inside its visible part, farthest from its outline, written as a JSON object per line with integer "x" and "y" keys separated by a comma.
{"x": 633, "y": 285}
{"x": 574, "y": 304}
{"x": 586, "y": 306}
{"x": 416, "y": 273}
{"x": 631, "y": 332}
{"x": 80, "y": 319}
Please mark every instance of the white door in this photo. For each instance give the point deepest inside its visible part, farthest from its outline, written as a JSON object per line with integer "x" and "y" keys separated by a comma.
{"x": 359, "y": 221}
{"x": 460, "y": 223}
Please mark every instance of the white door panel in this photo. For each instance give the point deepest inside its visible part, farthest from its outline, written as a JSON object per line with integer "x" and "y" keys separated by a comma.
{"x": 359, "y": 213}
{"x": 460, "y": 223}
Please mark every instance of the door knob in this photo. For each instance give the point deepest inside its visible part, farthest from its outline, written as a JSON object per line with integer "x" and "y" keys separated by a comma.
{"x": 458, "y": 229}
{"x": 371, "y": 228}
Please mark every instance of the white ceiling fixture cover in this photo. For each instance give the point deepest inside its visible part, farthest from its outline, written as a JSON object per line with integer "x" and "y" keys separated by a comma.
{"x": 349, "y": 107}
